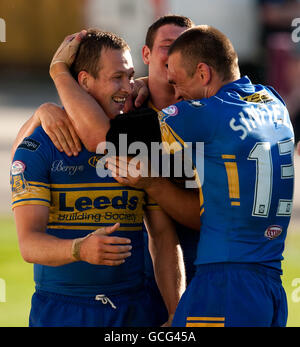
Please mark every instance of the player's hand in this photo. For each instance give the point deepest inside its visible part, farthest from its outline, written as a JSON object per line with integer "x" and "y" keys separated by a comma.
{"x": 139, "y": 95}
{"x": 59, "y": 128}
{"x": 140, "y": 92}
{"x": 298, "y": 148}
{"x": 129, "y": 172}
{"x": 102, "y": 249}
{"x": 65, "y": 54}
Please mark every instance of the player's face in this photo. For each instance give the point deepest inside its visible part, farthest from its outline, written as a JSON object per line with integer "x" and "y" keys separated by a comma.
{"x": 186, "y": 87}
{"x": 158, "y": 57}
{"x": 115, "y": 81}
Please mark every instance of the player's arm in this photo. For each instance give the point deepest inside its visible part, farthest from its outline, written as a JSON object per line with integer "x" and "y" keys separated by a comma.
{"x": 38, "y": 247}
{"x": 167, "y": 258}
{"x": 35, "y": 245}
{"x": 57, "y": 125}
{"x": 183, "y": 205}
{"x": 89, "y": 119}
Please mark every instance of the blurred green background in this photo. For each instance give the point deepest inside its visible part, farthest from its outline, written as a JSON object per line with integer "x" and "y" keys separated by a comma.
{"x": 261, "y": 34}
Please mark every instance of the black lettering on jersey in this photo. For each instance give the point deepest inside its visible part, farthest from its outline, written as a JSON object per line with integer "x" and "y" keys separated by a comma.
{"x": 85, "y": 203}
{"x": 30, "y": 144}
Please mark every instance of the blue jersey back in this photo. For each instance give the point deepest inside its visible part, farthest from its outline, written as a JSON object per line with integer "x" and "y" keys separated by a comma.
{"x": 242, "y": 145}
{"x": 79, "y": 202}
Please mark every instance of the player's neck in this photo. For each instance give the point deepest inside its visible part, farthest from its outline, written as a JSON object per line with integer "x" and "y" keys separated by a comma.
{"x": 161, "y": 94}
{"x": 216, "y": 85}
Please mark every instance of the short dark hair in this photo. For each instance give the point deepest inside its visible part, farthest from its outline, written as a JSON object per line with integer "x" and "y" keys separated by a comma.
{"x": 91, "y": 46}
{"x": 180, "y": 21}
{"x": 207, "y": 44}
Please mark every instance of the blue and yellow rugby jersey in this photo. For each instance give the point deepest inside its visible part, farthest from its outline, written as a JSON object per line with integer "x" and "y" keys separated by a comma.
{"x": 188, "y": 238}
{"x": 79, "y": 203}
{"x": 246, "y": 172}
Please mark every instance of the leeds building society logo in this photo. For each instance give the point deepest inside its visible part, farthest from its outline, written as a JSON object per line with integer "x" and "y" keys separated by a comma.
{"x": 2, "y": 30}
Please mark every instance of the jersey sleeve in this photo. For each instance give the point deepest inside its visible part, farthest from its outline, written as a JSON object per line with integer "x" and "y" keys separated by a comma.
{"x": 29, "y": 174}
{"x": 186, "y": 121}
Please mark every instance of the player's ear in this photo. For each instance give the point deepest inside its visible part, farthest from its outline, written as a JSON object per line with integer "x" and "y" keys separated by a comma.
{"x": 85, "y": 80}
{"x": 204, "y": 73}
{"x": 146, "y": 54}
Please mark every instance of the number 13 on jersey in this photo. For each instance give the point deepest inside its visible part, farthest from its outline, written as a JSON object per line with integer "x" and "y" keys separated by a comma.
{"x": 261, "y": 154}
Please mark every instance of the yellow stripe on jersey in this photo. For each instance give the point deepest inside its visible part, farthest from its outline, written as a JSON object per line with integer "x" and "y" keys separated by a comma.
{"x": 219, "y": 319}
{"x": 151, "y": 204}
{"x": 168, "y": 135}
{"x": 23, "y": 202}
{"x": 233, "y": 180}
{"x": 171, "y": 140}
{"x": 45, "y": 185}
{"x": 235, "y": 203}
{"x": 86, "y": 185}
{"x": 201, "y": 197}
{"x": 216, "y": 322}
{"x": 153, "y": 207}
{"x": 91, "y": 227}
{"x": 228, "y": 156}
{"x": 31, "y": 193}
{"x": 205, "y": 325}
{"x": 150, "y": 104}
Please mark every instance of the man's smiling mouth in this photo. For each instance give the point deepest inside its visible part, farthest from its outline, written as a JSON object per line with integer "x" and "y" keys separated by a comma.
{"x": 119, "y": 100}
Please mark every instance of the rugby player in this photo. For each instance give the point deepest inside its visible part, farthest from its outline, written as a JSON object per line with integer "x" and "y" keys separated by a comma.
{"x": 247, "y": 183}
{"x": 160, "y": 35}
{"x": 83, "y": 277}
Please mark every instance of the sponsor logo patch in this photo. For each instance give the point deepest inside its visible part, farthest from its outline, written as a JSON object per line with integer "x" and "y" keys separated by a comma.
{"x": 94, "y": 160}
{"x": 273, "y": 231}
{"x": 262, "y": 97}
{"x": 30, "y": 145}
{"x": 171, "y": 111}
{"x": 18, "y": 184}
{"x": 71, "y": 170}
{"x": 17, "y": 167}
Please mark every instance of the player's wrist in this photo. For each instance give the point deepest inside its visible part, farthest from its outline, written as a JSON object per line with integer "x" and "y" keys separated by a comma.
{"x": 75, "y": 249}
{"x": 57, "y": 69}
{"x": 77, "y": 245}
{"x": 154, "y": 186}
